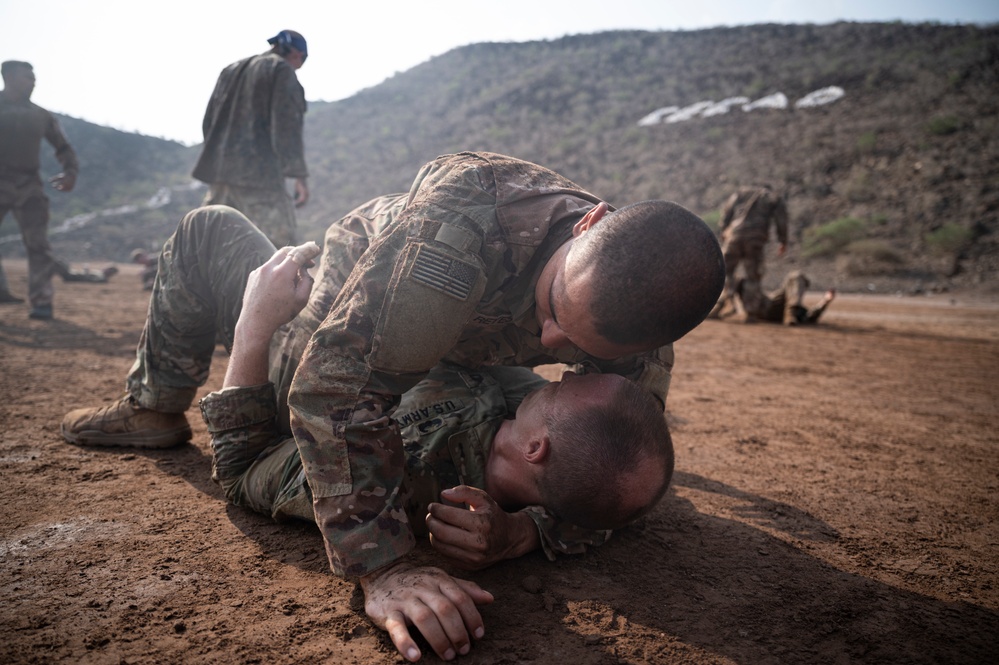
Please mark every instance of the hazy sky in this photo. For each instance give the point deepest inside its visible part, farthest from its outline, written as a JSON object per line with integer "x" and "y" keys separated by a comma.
{"x": 150, "y": 67}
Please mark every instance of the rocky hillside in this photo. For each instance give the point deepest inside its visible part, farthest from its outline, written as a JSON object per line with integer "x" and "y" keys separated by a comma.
{"x": 131, "y": 191}
{"x": 892, "y": 186}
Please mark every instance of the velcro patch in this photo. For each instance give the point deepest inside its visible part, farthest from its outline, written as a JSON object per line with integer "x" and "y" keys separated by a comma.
{"x": 444, "y": 273}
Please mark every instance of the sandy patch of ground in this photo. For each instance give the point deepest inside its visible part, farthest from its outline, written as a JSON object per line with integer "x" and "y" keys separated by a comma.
{"x": 834, "y": 502}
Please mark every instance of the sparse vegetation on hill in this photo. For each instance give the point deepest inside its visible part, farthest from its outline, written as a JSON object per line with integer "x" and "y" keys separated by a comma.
{"x": 912, "y": 149}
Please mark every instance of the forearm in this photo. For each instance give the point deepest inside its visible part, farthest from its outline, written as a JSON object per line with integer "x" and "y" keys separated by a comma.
{"x": 366, "y": 527}
{"x": 249, "y": 361}
{"x": 63, "y": 150}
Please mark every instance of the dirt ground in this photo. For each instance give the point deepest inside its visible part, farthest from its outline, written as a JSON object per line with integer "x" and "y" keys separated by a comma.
{"x": 834, "y": 502}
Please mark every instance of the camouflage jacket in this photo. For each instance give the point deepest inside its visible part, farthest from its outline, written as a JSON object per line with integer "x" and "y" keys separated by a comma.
{"x": 748, "y": 214}
{"x": 447, "y": 423}
{"x": 23, "y": 125}
{"x": 253, "y": 125}
{"x": 451, "y": 277}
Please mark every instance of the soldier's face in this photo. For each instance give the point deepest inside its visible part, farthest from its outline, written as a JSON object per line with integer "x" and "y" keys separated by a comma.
{"x": 295, "y": 58}
{"x": 562, "y": 307}
{"x": 20, "y": 82}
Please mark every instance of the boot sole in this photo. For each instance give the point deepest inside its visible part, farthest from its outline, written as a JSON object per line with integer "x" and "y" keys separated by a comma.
{"x": 149, "y": 439}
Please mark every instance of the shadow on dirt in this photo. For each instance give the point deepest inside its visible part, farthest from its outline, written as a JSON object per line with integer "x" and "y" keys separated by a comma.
{"x": 63, "y": 334}
{"x": 755, "y": 608}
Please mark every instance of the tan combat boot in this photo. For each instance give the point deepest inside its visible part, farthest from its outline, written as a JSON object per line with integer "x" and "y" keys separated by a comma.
{"x": 125, "y": 423}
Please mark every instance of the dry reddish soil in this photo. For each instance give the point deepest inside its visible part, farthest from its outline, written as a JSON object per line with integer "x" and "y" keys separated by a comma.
{"x": 834, "y": 502}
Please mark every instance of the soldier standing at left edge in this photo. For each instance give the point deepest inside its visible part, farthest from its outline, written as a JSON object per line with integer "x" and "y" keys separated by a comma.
{"x": 22, "y": 127}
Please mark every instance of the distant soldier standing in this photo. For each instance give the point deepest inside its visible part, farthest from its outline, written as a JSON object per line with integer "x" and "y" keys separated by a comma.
{"x": 23, "y": 124}
{"x": 253, "y": 138}
{"x": 745, "y": 228}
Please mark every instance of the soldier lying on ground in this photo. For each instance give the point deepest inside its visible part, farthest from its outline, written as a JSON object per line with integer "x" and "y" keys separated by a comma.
{"x": 86, "y": 275}
{"x": 487, "y": 260}
{"x": 577, "y": 457}
{"x": 593, "y": 449}
{"x": 781, "y": 306}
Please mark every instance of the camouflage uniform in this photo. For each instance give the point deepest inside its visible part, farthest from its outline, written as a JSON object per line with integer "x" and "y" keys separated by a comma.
{"x": 253, "y": 141}
{"x": 450, "y": 276}
{"x": 781, "y": 306}
{"x": 447, "y": 423}
{"x": 745, "y": 228}
{"x": 196, "y": 300}
{"x": 22, "y": 127}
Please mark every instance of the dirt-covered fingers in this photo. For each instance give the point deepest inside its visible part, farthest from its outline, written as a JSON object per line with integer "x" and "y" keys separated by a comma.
{"x": 304, "y": 255}
{"x": 398, "y": 630}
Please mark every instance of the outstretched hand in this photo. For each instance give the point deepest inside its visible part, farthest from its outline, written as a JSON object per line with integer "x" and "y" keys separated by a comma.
{"x": 481, "y": 535}
{"x": 441, "y": 607}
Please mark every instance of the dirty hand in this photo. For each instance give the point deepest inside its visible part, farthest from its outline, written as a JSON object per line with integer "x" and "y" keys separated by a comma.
{"x": 441, "y": 607}
{"x": 481, "y": 535}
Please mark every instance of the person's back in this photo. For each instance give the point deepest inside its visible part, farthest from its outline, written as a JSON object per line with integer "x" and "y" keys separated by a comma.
{"x": 252, "y": 98}
{"x": 253, "y": 138}
{"x": 749, "y": 214}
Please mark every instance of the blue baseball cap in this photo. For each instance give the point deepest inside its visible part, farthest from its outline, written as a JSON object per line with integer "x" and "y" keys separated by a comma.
{"x": 292, "y": 39}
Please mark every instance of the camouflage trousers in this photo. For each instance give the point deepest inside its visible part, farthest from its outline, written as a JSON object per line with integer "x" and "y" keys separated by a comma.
{"x": 196, "y": 300}
{"x": 735, "y": 253}
{"x": 27, "y": 200}
{"x": 268, "y": 479}
{"x": 271, "y": 209}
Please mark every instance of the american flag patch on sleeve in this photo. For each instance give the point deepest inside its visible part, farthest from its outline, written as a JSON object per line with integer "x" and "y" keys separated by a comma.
{"x": 444, "y": 273}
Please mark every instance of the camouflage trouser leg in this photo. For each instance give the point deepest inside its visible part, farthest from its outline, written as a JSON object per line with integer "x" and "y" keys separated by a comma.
{"x": 196, "y": 299}
{"x": 271, "y": 209}
{"x": 271, "y": 481}
{"x": 734, "y": 253}
{"x": 794, "y": 293}
{"x": 4, "y": 286}
{"x": 33, "y": 218}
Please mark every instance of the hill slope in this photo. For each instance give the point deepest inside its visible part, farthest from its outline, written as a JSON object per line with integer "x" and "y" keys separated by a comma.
{"x": 911, "y": 150}
{"x": 893, "y": 186}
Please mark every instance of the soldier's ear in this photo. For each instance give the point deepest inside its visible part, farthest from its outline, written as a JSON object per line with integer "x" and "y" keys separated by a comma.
{"x": 589, "y": 219}
{"x": 537, "y": 450}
